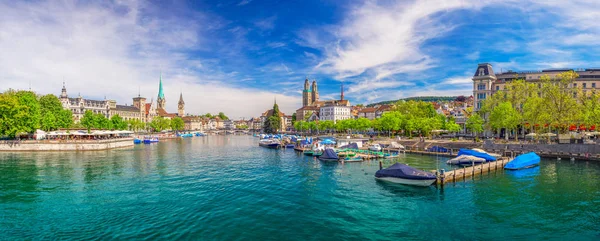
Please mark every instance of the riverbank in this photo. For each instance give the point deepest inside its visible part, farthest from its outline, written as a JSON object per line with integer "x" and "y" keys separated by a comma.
{"x": 64, "y": 145}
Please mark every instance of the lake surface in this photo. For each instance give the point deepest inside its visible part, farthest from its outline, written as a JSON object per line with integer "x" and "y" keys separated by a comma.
{"x": 228, "y": 188}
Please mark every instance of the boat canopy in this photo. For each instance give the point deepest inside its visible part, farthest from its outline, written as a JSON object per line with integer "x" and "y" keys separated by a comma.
{"x": 404, "y": 171}
{"x": 485, "y": 156}
{"x": 329, "y": 153}
{"x": 523, "y": 161}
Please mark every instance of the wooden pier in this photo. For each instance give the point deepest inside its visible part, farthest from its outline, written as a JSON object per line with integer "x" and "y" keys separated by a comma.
{"x": 466, "y": 172}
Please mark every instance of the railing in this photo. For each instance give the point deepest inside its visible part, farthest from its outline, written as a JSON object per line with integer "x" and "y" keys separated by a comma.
{"x": 46, "y": 141}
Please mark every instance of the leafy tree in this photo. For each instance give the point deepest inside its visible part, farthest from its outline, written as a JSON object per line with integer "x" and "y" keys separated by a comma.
{"x": 273, "y": 123}
{"x": 50, "y": 103}
{"x": 159, "y": 124}
{"x": 136, "y": 125}
{"x": 208, "y": 115}
{"x": 222, "y": 116}
{"x": 242, "y": 127}
{"x": 177, "y": 124}
{"x": 293, "y": 118}
{"x": 12, "y": 112}
{"x": 49, "y": 122}
{"x": 64, "y": 118}
{"x": 363, "y": 124}
{"x": 504, "y": 116}
{"x": 560, "y": 101}
{"x": 118, "y": 123}
{"x": 88, "y": 120}
{"x": 475, "y": 124}
{"x": 31, "y": 114}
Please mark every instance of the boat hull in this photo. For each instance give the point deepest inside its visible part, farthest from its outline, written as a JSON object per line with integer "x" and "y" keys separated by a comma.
{"x": 271, "y": 146}
{"x": 329, "y": 159}
{"x": 412, "y": 182}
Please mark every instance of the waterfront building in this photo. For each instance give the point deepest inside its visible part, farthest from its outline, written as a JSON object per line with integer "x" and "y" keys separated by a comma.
{"x": 79, "y": 105}
{"x": 285, "y": 120}
{"x": 228, "y": 125}
{"x": 486, "y": 82}
{"x": 306, "y": 111}
{"x": 368, "y": 112}
{"x": 336, "y": 110}
{"x": 193, "y": 123}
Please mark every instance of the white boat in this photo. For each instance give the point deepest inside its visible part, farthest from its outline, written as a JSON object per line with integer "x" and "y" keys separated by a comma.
{"x": 423, "y": 183}
{"x": 465, "y": 160}
{"x": 375, "y": 147}
{"x": 404, "y": 174}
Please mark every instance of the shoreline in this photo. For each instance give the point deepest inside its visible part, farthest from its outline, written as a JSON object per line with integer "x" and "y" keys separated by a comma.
{"x": 71, "y": 145}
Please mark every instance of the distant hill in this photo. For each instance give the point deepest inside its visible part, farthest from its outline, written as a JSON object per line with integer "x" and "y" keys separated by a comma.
{"x": 421, "y": 98}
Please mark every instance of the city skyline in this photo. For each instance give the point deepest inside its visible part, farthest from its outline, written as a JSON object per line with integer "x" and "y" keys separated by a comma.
{"x": 235, "y": 56}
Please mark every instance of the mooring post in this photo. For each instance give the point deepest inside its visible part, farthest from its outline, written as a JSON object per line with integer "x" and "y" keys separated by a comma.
{"x": 380, "y": 165}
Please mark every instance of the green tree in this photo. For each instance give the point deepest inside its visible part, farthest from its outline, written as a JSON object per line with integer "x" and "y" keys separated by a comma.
{"x": 363, "y": 124}
{"x": 273, "y": 123}
{"x": 504, "y": 116}
{"x": 64, "y": 118}
{"x": 561, "y": 104}
{"x": 293, "y": 118}
{"x": 475, "y": 124}
{"x": 160, "y": 123}
{"x": 208, "y": 115}
{"x": 177, "y": 124}
{"x": 88, "y": 120}
{"x": 48, "y": 122}
{"x": 118, "y": 123}
{"x": 13, "y": 115}
{"x": 31, "y": 116}
{"x": 222, "y": 116}
{"x": 136, "y": 125}
{"x": 50, "y": 103}
{"x": 242, "y": 127}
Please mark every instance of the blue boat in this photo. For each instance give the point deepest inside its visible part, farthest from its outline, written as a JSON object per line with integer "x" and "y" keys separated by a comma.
{"x": 137, "y": 141}
{"x": 290, "y": 145}
{"x": 468, "y": 152}
{"x": 150, "y": 140}
{"x": 187, "y": 135}
{"x": 329, "y": 155}
{"x": 522, "y": 161}
{"x": 404, "y": 174}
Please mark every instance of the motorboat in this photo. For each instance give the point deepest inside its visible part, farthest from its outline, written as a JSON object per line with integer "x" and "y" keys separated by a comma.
{"x": 404, "y": 174}
{"x": 270, "y": 143}
{"x": 150, "y": 140}
{"x": 491, "y": 154}
{"x": 375, "y": 147}
{"x": 187, "y": 135}
{"x": 523, "y": 161}
{"x": 290, "y": 145}
{"x": 390, "y": 155}
{"x": 474, "y": 153}
{"x": 137, "y": 141}
{"x": 313, "y": 153}
{"x": 465, "y": 160}
{"x": 329, "y": 155}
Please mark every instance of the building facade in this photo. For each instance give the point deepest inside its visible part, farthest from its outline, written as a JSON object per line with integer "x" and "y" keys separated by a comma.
{"x": 486, "y": 82}
{"x": 335, "y": 113}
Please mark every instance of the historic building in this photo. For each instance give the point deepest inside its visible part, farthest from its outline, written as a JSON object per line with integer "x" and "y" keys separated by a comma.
{"x": 79, "y": 105}
{"x": 311, "y": 105}
{"x": 162, "y": 101}
{"x": 486, "y": 82}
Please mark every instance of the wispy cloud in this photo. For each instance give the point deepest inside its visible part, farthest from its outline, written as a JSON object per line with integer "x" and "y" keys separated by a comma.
{"x": 244, "y": 2}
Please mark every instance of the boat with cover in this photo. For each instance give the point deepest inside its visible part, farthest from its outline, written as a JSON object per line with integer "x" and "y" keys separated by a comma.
{"x": 404, "y": 174}
{"x": 150, "y": 140}
{"x": 329, "y": 155}
{"x": 474, "y": 153}
{"x": 523, "y": 161}
{"x": 137, "y": 141}
{"x": 491, "y": 154}
{"x": 465, "y": 160}
{"x": 269, "y": 143}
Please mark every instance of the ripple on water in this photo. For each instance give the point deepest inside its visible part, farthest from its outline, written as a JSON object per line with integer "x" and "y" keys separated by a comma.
{"x": 227, "y": 188}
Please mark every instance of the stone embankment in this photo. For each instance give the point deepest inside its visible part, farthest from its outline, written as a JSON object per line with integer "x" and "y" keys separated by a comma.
{"x": 71, "y": 145}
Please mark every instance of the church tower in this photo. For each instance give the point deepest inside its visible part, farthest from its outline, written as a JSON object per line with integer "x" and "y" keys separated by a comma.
{"x": 306, "y": 94}
{"x": 161, "y": 95}
{"x": 64, "y": 98}
{"x": 315, "y": 92}
{"x": 180, "y": 106}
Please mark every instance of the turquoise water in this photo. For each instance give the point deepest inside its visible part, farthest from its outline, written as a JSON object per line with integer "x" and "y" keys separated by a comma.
{"x": 227, "y": 188}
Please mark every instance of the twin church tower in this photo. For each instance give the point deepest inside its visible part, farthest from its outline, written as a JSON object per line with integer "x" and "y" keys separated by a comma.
{"x": 310, "y": 95}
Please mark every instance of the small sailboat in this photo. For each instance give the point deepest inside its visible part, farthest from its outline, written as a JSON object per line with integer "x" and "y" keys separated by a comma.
{"x": 404, "y": 174}
{"x": 523, "y": 161}
{"x": 329, "y": 155}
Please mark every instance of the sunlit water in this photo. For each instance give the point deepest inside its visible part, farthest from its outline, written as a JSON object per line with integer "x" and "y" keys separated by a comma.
{"x": 228, "y": 188}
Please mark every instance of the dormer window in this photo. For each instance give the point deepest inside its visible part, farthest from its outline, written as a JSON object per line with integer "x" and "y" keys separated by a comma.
{"x": 481, "y": 72}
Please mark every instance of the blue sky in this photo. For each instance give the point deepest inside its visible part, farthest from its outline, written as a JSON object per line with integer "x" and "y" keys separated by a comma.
{"x": 236, "y": 56}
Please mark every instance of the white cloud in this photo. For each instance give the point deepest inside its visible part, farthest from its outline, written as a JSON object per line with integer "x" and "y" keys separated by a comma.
{"x": 112, "y": 50}
{"x": 458, "y": 80}
{"x": 384, "y": 36}
{"x": 244, "y": 2}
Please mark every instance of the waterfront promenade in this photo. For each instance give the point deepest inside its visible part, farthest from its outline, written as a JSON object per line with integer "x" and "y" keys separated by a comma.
{"x": 65, "y": 145}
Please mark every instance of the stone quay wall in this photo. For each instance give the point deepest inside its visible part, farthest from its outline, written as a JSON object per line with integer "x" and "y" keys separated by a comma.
{"x": 70, "y": 145}
{"x": 579, "y": 151}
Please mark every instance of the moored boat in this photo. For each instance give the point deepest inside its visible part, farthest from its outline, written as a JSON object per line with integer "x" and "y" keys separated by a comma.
{"x": 329, "y": 155}
{"x": 523, "y": 161}
{"x": 270, "y": 143}
{"x": 137, "y": 141}
{"x": 474, "y": 153}
{"x": 465, "y": 160}
{"x": 404, "y": 174}
{"x": 150, "y": 140}
{"x": 353, "y": 159}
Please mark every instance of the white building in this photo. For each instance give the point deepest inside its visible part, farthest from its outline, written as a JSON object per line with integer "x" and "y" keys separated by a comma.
{"x": 335, "y": 113}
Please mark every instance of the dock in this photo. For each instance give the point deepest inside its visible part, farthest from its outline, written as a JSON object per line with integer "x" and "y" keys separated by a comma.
{"x": 466, "y": 172}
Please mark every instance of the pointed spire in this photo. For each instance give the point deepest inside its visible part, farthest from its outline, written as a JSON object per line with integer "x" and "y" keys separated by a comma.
{"x": 275, "y": 100}
{"x": 161, "y": 94}
{"x": 342, "y": 95}
{"x": 181, "y": 98}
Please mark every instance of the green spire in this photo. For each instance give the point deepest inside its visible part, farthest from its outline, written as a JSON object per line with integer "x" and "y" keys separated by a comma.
{"x": 161, "y": 95}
